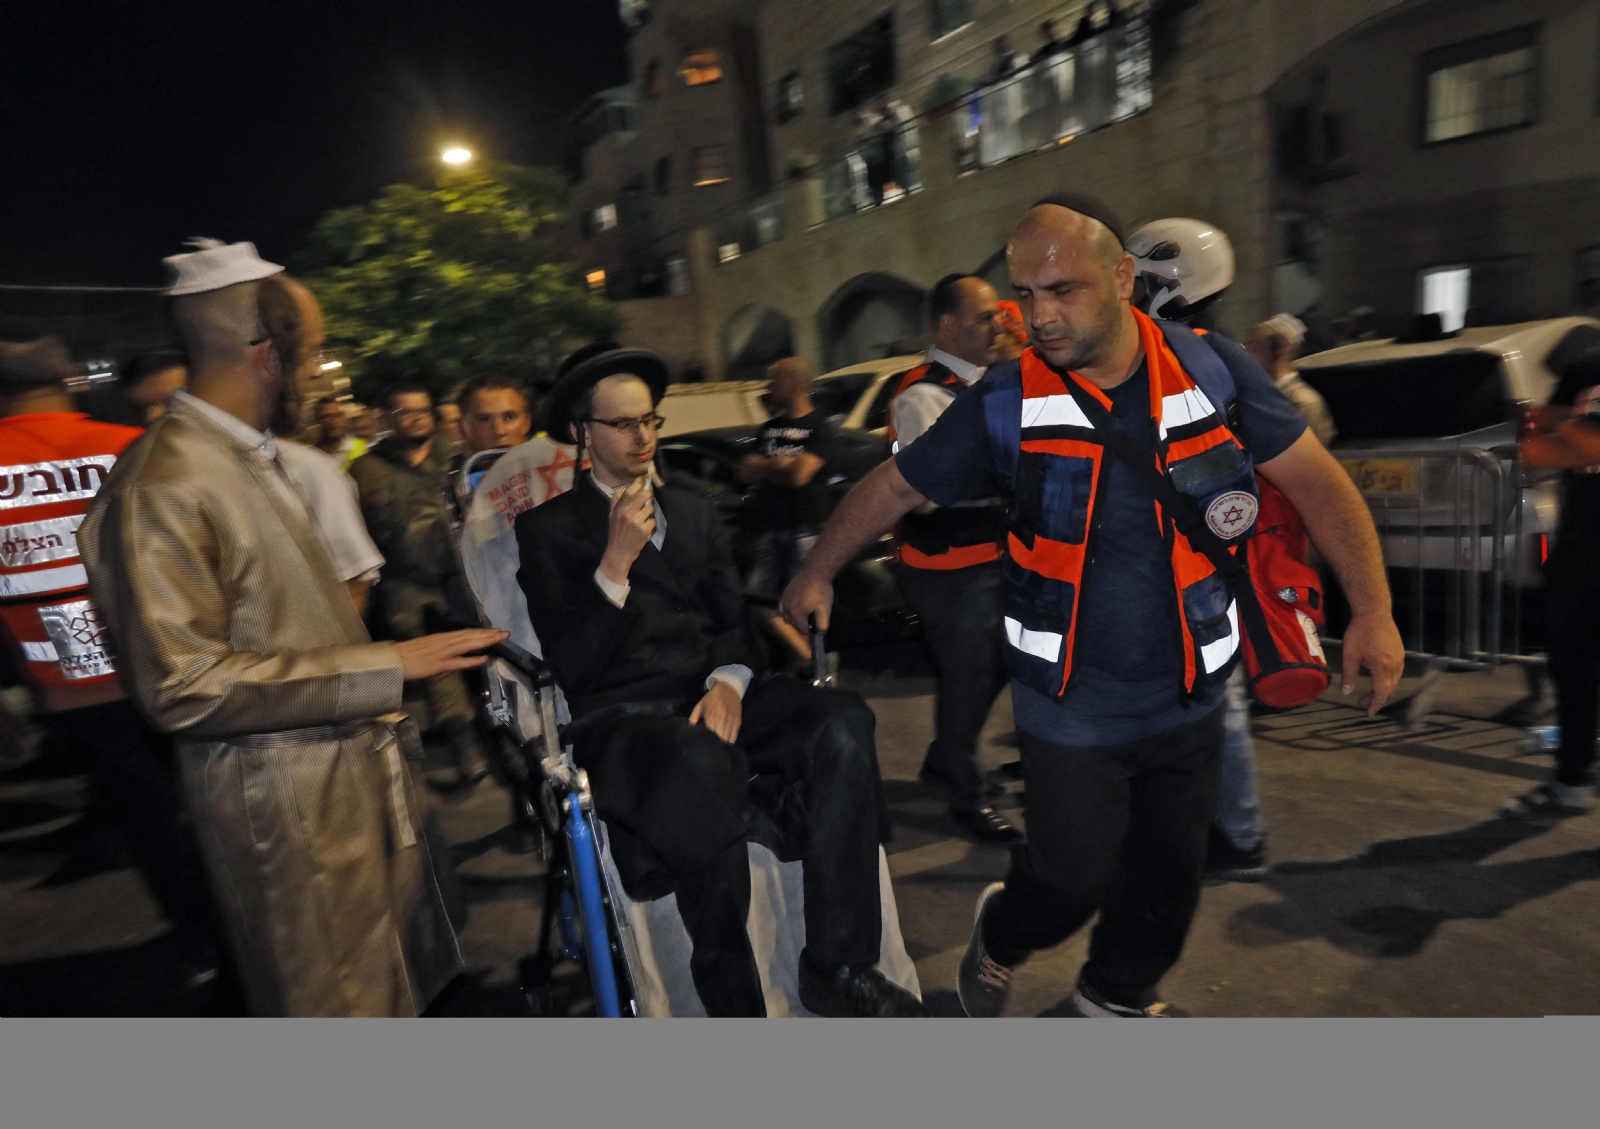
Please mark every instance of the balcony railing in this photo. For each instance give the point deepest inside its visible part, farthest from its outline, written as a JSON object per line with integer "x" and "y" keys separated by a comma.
{"x": 1072, "y": 92}
{"x": 748, "y": 226}
{"x": 877, "y": 170}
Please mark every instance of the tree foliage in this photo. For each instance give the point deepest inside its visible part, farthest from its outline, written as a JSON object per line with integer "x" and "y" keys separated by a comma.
{"x": 437, "y": 285}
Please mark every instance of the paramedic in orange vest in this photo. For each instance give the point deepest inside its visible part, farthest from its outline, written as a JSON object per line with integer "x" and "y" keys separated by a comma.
{"x": 950, "y": 561}
{"x": 55, "y": 460}
{"x": 1120, "y": 636}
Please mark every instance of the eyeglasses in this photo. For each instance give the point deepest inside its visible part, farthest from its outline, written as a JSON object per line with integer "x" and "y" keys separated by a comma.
{"x": 647, "y": 423}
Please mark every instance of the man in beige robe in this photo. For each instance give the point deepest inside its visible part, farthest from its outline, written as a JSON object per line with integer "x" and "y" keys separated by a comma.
{"x": 238, "y": 638}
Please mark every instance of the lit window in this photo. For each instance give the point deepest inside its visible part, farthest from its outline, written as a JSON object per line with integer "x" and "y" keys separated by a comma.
{"x": 1481, "y": 86}
{"x": 605, "y": 217}
{"x": 727, "y": 252}
{"x": 1445, "y": 291}
{"x": 711, "y": 165}
{"x": 701, "y": 67}
{"x": 596, "y": 279}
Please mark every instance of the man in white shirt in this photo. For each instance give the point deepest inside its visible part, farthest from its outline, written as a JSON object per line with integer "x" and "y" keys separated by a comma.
{"x": 950, "y": 561}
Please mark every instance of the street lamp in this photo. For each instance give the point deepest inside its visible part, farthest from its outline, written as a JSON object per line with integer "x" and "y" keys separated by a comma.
{"x": 456, "y": 155}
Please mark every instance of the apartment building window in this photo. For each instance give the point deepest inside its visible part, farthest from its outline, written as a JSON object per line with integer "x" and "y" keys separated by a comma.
{"x": 861, "y": 67}
{"x": 791, "y": 97}
{"x": 663, "y": 175}
{"x": 711, "y": 165}
{"x": 1481, "y": 86}
{"x": 701, "y": 67}
{"x": 605, "y": 218}
{"x": 677, "y": 275}
{"x": 1483, "y": 292}
{"x": 945, "y": 16}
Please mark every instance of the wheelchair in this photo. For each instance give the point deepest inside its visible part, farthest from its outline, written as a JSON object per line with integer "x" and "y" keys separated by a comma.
{"x": 636, "y": 954}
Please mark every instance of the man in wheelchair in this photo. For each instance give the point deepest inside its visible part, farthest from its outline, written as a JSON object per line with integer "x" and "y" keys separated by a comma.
{"x": 690, "y": 752}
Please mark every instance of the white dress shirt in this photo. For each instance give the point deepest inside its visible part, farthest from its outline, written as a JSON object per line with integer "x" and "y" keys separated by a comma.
{"x": 736, "y": 675}
{"x": 328, "y": 494}
{"x": 917, "y": 407}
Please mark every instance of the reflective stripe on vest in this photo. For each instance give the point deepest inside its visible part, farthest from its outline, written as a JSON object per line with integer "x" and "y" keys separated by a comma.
{"x": 1052, "y": 525}
{"x": 45, "y": 613}
{"x": 952, "y": 557}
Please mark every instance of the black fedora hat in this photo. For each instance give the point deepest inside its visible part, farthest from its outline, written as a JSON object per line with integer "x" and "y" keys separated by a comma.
{"x": 588, "y": 366}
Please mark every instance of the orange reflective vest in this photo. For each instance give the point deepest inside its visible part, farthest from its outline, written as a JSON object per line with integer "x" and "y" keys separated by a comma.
{"x": 953, "y": 537}
{"x": 55, "y": 464}
{"x": 1057, "y": 482}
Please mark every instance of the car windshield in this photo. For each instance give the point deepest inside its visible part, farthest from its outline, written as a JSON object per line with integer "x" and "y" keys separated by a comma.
{"x": 837, "y": 397}
{"x": 1412, "y": 397}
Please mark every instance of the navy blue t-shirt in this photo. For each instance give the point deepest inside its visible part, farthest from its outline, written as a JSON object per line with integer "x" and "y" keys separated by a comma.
{"x": 1128, "y": 670}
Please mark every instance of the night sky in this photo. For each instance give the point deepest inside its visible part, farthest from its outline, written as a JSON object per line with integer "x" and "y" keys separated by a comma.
{"x": 127, "y": 127}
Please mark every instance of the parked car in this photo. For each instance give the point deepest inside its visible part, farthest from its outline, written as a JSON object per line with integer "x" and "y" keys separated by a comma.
{"x": 855, "y": 397}
{"x": 1451, "y": 395}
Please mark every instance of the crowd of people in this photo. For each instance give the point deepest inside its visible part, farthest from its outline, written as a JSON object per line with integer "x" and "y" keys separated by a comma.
{"x": 227, "y": 624}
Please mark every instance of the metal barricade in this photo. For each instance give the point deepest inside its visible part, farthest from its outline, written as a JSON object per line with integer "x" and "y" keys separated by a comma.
{"x": 1461, "y": 560}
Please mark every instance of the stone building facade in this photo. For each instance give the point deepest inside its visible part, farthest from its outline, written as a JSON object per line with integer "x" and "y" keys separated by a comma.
{"x": 1293, "y": 126}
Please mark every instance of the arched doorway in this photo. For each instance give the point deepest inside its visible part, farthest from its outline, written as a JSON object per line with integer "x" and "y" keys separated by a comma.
{"x": 873, "y": 315}
{"x": 753, "y": 338}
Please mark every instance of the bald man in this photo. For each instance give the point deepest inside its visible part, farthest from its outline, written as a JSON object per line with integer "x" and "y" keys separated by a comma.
{"x": 793, "y": 498}
{"x": 1120, "y": 634}
{"x": 239, "y": 639}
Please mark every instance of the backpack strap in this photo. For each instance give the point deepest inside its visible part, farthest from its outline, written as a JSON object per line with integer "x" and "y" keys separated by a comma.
{"x": 1207, "y": 369}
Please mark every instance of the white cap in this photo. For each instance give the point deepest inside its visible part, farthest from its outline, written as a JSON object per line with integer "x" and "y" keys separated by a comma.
{"x": 215, "y": 264}
{"x": 1288, "y": 327}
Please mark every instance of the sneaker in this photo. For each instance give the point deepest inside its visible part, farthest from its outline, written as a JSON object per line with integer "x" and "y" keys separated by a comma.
{"x": 983, "y": 983}
{"x": 1551, "y": 800}
{"x": 1228, "y": 863}
{"x": 1092, "y": 1005}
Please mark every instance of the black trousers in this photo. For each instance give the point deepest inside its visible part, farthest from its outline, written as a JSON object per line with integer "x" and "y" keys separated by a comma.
{"x": 1574, "y": 649}
{"x": 685, "y": 794}
{"x": 961, "y": 612}
{"x": 1116, "y": 828}
{"x": 134, "y": 782}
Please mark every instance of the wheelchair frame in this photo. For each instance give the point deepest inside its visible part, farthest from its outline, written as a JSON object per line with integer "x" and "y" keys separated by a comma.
{"x": 553, "y": 805}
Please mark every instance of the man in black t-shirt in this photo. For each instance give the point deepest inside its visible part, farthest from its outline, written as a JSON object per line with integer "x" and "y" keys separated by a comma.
{"x": 792, "y": 450}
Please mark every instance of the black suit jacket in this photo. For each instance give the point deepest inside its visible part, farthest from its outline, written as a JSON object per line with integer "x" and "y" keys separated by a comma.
{"x": 685, "y": 614}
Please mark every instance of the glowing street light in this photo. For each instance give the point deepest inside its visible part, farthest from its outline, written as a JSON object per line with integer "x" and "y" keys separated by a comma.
{"x": 456, "y": 156}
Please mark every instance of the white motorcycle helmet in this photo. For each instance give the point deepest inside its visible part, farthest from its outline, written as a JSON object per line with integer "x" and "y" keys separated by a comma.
{"x": 1183, "y": 264}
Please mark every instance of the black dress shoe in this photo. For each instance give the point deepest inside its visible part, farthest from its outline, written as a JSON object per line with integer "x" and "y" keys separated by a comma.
{"x": 854, "y": 991}
{"x": 986, "y": 824}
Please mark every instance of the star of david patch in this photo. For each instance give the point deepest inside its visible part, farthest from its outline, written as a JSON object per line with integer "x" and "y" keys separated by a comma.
{"x": 1232, "y": 514}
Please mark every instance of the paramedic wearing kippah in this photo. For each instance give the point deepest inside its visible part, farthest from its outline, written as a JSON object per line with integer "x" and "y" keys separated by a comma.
{"x": 1120, "y": 637}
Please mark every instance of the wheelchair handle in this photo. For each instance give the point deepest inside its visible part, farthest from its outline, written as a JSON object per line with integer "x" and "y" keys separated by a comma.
{"x": 819, "y": 658}
{"x": 526, "y": 662}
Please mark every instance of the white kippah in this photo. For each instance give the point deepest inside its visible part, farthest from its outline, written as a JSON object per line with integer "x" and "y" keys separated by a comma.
{"x": 215, "y": 264}
{"x": 1288, "y": 327}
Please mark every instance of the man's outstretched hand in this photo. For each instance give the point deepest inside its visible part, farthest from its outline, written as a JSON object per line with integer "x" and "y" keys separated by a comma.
{"x": 807, "y": 596}
{"x": 436, "y": 654}
{"x": 720, "y": 711}
{"x": 1372, "y": 641}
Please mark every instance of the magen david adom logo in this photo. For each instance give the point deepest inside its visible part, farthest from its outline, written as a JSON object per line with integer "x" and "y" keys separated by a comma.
{"x": 1232, "y": 514}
